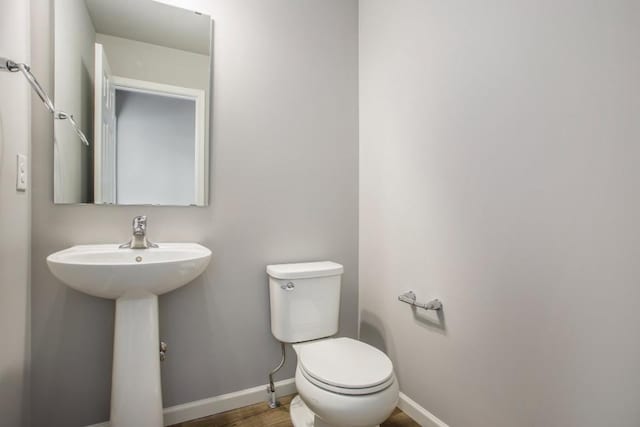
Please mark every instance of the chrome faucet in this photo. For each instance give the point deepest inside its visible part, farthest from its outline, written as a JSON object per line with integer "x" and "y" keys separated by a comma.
{"x": 139, "y": 237}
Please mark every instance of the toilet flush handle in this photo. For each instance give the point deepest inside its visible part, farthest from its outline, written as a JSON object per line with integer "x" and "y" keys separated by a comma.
{"x": 288, "y": 287}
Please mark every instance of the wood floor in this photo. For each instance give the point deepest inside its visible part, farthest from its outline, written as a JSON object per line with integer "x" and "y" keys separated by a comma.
{"x": 260, "y": 415}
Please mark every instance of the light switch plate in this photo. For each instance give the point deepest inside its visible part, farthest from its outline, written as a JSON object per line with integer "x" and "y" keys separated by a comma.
{"x": 21, "y": 173}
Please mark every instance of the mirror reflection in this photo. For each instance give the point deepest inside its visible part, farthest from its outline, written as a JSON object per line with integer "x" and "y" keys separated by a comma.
{"x": 135, "y": 74}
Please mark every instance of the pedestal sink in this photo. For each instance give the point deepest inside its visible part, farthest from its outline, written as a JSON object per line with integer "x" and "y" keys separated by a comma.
{"x": 134, "y": 278}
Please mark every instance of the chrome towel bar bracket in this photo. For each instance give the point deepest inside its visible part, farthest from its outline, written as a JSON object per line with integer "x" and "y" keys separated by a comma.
{"x": 410, "y": 298}
{"x": 7, "y": 64}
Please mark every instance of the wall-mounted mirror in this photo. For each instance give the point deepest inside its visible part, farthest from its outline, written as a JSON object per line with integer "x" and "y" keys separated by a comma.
{"x": 136, "y": 76}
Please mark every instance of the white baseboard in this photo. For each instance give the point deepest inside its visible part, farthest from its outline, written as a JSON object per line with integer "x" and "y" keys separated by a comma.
{"x": 226, "y": 402}
{"x": 238, "y": 399}
{"x": 418, "y": 413}
{"x": 215, "y": 405}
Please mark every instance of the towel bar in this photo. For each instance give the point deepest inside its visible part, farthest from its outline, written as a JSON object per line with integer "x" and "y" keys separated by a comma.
{"x": 410, "y": 298}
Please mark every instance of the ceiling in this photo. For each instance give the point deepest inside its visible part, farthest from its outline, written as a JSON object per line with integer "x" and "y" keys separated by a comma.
{"x": 152, "y": 22}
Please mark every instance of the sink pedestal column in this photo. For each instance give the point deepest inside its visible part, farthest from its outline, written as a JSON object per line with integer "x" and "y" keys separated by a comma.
{"x": 136, "y": 394}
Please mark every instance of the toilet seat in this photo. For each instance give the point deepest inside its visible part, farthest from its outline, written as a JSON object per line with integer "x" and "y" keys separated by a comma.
{"x": 345, "y": 366}
{"x": 345, "y": 390}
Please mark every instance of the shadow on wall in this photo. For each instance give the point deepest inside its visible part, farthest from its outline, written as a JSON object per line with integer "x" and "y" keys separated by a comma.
{"x": 372, "y": 329}
{"x": 12, "y": 392}
{"x": 1, "y": 141}
{"x": 432, "y": 320}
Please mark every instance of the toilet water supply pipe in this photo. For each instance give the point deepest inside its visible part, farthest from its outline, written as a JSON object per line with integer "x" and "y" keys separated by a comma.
{"x": 7, "y": 64}
{"x": 271, "y": 388}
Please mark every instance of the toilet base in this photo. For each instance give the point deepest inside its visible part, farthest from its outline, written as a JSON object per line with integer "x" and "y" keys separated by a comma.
{"x": 302, "y": 416}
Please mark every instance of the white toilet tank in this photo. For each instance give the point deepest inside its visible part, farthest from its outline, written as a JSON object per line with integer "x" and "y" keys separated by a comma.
{"x": 305, "y": 300}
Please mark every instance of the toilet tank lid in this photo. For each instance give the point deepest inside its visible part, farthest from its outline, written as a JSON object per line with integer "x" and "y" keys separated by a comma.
{"x": 305, "y": 270}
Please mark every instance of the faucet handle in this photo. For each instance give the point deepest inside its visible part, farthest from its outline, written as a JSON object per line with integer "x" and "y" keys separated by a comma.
{"x": 140, "y": 224}
{"x": 139, "y": 219}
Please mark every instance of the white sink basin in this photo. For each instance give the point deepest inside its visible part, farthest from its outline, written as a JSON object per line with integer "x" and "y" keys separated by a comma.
{"x": 134, "y": 278}
{"x": 109, "y": 272}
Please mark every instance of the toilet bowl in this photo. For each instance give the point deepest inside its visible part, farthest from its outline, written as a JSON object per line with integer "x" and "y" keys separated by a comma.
{"x": 341, "y": 382}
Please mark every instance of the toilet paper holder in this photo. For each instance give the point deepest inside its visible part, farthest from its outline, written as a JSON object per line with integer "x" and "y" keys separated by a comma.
{"x": 411, "y": 299}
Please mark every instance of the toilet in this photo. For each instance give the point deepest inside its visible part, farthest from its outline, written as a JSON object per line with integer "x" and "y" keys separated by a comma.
{"x": 341, "y": 382}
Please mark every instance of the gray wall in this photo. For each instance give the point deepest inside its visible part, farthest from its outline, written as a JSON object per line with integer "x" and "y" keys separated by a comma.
{"x": 499, "y": 171}
{"x": 156, "y": 149}
{"x": 14, "y": 218}
{"x": 283, "y": 188}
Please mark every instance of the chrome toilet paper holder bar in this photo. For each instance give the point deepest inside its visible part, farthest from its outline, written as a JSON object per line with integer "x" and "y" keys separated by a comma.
{"x": 411, "y": 299}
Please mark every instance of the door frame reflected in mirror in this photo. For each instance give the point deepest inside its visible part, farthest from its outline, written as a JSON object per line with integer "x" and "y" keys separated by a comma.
{"x": 170, "y": 91}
